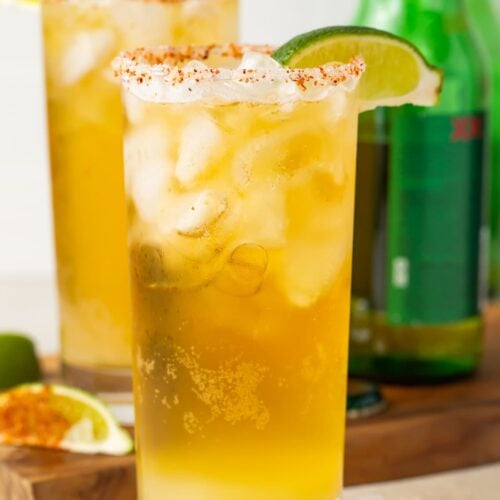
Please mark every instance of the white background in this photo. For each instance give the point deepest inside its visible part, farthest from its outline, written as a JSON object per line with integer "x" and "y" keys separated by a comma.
{"x": 27, "y": 298}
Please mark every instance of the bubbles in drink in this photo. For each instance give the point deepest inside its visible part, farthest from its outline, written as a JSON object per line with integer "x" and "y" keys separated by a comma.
{"x": 229, "y": 391}
{"x": 244, "y": 272}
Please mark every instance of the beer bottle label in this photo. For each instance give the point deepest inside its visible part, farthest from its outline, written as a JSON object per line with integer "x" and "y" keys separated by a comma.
{"x": 435, "y": 217}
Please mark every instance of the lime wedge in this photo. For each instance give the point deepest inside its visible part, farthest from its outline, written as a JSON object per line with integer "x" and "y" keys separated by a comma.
{"x": 397, "y": 72}
{"x": 60, "y": 417}
{"x": 18, "y": 362}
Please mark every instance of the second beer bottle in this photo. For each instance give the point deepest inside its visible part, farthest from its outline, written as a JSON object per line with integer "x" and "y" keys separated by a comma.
{"x": 417, "y": 277}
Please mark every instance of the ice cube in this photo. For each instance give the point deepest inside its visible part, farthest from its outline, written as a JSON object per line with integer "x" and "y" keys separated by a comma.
{"x": 319, "y": 241}
{"x": 338, "y": 102}
{"x": 199, "y": 10}
{"x": 263, "y": 216}
{"x": 278, "y": 155}
{"x": 147, "y": 264}
{"x": 146, "y": 144}
{"x": 199, "y": 226}
{"x": 163, "y": 267}
{"x": 256, "y": 162}
{"x": 200, "y": 147}
{"x": 85, "y": 51}
{"x": 134, "y": 108}
{"x": 244, "y": 272}
{"x": 142, "y": 24}
{"x": 148, "y": 169}
{"x": 310, "y": 268}
{"x": 339, "y": 171}
{"x": 203, "y": 214}
{"x": 148, "y": 190}
{"x": 257, "y": 60}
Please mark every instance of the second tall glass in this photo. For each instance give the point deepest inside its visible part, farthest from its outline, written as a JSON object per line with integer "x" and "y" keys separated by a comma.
{"x": 85, "y": 130}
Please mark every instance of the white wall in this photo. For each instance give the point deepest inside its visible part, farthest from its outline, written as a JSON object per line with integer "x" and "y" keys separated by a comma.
{"x": 26, "y": 251}
{"x": 275, "y": 21}
{"x": 25, "y": 246}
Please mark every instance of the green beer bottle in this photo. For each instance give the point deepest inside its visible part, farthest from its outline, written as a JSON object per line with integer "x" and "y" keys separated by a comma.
{"x": 419, "y": 212}
{"x": 485, "y": 18}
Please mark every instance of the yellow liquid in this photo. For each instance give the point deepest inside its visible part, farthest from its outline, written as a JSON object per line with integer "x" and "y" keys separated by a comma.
{"x": 85, "y": 133}
{"x": 241, "y": 220}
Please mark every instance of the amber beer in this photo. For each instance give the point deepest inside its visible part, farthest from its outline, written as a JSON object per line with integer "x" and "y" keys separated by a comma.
{"x": 85, "y": 131}
{"x": 241, "y": 205}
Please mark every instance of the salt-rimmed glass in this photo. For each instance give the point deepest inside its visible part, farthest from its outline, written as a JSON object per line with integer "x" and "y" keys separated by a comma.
{"x": 85, "y": 128}
{"x": 240, "y": 188}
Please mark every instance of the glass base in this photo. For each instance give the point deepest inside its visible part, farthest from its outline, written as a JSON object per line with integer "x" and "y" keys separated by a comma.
{"x": 172, "y": 487}
{"x": 364, "y": 400}
{"x": 112, "y": 385}
{"x": 407, "y": 370}
{"x": 412, "y": 354}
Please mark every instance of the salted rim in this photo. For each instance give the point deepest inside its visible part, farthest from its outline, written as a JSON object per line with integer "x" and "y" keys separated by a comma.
{"x": 163, "y": 67}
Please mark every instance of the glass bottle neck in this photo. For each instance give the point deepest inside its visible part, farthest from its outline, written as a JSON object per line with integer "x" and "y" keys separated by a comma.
{"x": 445, "y": 7}
{"x": 402, "y": 16}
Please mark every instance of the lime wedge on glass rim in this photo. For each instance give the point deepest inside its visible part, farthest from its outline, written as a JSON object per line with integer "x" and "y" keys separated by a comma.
{"x": 60, "y": 417}
{"x": 397, "y": 72}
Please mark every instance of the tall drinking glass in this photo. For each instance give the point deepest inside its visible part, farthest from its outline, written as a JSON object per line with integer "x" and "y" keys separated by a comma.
{"x": 240, "y": 188}
{"x": 85, "y": 131}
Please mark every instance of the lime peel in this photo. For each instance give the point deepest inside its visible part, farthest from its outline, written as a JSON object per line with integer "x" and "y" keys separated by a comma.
{"x": 397, "y": 72}
{"x": 18, "y": 361}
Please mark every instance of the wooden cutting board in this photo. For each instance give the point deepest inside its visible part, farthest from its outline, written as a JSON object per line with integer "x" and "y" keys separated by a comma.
{"x": 425, "y": 430}
{"x": 432, "y": 429}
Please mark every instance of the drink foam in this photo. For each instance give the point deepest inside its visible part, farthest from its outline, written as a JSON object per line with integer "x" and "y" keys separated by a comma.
{"x": 228, "y": 74}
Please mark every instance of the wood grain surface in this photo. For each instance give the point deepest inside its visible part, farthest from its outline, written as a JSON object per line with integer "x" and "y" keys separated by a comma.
{"x": 29, "y": 474}
{"x": 425, "y": 430}
{"x": 431, "y": 429}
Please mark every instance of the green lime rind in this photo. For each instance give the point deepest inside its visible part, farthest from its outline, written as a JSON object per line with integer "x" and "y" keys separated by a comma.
{"x": 397, "y": 72}
{"x": 94, "y": 431}
{"x": 294, "y": 48}
{"x": 18, "y": 360}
